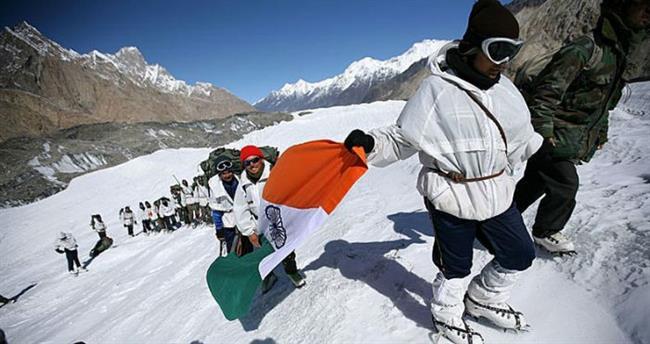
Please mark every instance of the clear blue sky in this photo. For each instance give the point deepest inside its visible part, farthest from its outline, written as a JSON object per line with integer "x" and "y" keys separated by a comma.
{"x": 248, "y": 47}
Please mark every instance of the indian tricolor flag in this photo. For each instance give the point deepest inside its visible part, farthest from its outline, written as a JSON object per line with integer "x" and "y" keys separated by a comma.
{"x": 307, "y": 182}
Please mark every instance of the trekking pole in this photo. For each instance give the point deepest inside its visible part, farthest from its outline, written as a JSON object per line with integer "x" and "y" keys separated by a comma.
{"x": 176, "y": 179}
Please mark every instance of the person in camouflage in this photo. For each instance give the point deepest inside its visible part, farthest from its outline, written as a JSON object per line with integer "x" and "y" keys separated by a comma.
{"x": 569, "y": 101}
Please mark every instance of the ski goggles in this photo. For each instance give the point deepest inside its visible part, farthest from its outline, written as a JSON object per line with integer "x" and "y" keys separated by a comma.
{"x": 254, "y": 160}
{"x": 224, "y": 166}
{"x": 500, "y": 49}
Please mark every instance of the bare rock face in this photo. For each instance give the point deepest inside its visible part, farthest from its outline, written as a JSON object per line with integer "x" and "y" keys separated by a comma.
{"x": 45, "y": 87}
{"x": 545, "y": 25}
{"x": 38, "y": 167}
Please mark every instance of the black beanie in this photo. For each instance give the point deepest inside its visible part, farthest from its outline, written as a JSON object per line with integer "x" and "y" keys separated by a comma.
{"x": 488, "y": 19}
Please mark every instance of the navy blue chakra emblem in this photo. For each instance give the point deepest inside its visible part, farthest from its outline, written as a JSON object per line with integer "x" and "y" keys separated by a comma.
{"x": 276, "y": 228}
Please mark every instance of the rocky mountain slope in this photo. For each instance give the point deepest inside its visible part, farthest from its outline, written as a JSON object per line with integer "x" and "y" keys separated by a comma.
{"x": 545, "y": 25}
{"x": 34, "y": 168}
{"x": 44, "y": 87}
{"x": 350, "y": 87}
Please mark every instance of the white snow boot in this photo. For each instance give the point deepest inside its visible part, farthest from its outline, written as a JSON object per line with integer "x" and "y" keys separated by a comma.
{"x": 487, "y": 295}
{"x": 447, "y": 311}
{"x": 73, "y": 273}
{"x": 556, "y": 243}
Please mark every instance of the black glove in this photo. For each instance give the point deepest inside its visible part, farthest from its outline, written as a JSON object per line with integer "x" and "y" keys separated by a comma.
{"x": 359, "y": 138}
{"x": 221, "y": 236}
{"x": 58, "y": 250}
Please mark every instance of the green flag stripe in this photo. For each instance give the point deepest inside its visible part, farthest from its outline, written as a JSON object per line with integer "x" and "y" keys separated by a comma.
{"x": 233, "y": 280}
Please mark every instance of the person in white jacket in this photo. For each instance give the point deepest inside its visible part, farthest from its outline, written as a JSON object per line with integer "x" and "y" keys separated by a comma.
{"x": 168, "y": 213}
{"x": 128, "y": 220}
{"x": 203, "y": 195}
{"x": 152, "y": 216}
{"x": 247, "y": 202}
{"x": 223, "y": 187}
{"x": 186, "y": 193}
{"x": 142, "y": 217}
{"x": 192, "y": 200}
{"x": 471, "y": 129}
{"x": 97, "y": 225}
{"x": 66, "y": 243}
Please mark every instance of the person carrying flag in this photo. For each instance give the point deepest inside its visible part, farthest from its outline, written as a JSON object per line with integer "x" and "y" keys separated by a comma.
{"x": 246, "y": 207}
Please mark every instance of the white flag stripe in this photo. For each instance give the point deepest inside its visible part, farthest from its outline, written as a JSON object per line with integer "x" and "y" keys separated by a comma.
{"x": 298, "y": 225}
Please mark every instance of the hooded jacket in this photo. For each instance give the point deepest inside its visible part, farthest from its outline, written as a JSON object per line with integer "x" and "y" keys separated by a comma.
{"x": 188, "y": 194}
{"x": 68, "y": 242}
{"x": 247, "y": 202}
{"x": 98, "y": 227}
{"x": 221, "y": 202}
{"x": 166, "y": 210}
{"x": 152, "y": 214}
{"x": 127, "y": 218}
{"x": 451, "y": 133}
{"x": 201, "y": 194}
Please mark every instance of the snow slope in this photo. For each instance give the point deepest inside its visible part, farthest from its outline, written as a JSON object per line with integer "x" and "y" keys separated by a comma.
{"x": 369, "y": 269}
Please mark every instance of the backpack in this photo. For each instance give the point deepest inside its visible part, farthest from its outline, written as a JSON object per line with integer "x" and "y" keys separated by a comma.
{"x": 210, "y": 169}
{"x": 529, "y": 70}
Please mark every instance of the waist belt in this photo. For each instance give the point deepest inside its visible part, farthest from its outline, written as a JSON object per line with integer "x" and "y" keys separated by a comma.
{"x": 460, "y": 178}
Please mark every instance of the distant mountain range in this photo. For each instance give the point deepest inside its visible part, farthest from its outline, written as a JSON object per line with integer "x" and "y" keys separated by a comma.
{"x": 545, "y": 25}
{"x": 351, "y": 87}
{"x": 45, "y": 87}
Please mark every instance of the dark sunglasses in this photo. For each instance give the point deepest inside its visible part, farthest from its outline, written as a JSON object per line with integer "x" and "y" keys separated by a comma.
{"x": 254, "y": 160}
{"x": 224, "y": 166}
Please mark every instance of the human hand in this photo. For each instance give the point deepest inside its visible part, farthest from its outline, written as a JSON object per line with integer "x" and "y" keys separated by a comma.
{"x": 359, "y": 138}
{"x": 255, "y": 240}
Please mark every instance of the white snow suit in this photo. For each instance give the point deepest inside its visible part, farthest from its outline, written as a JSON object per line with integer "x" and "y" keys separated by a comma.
{"x": 221, "y": 201}
{"x": 247, "y": 202}
{"x": 99, "y": 227}
{"x": 452, "y": 133}
{"x": 67, "y": 243}
{"x": 127, "y": 218}
{"x": 201, "y": 193}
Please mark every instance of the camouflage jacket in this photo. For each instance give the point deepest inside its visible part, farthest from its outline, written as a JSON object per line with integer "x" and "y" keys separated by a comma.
{"x": 571, "y": 103}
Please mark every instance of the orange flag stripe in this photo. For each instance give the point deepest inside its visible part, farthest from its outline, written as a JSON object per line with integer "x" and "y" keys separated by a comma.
{"x": 314, "y": 174}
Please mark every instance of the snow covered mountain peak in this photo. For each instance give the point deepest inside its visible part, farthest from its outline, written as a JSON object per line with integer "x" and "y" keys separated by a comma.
{"x": 127, "y": 62}
{"x": 43, "y": 45}
{"x": 131, "y": 55}
{"x": 24, "y": 28}
{"x": 349, "y": 86}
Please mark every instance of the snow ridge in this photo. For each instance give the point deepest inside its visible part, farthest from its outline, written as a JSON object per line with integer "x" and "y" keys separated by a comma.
{"x": 366, "y": 71}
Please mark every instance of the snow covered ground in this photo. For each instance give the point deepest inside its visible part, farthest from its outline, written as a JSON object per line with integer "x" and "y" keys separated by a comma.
{"x": 369, "y": 269}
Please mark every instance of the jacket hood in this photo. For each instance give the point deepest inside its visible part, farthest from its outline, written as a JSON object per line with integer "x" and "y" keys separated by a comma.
{"x": 439, "y": 67}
